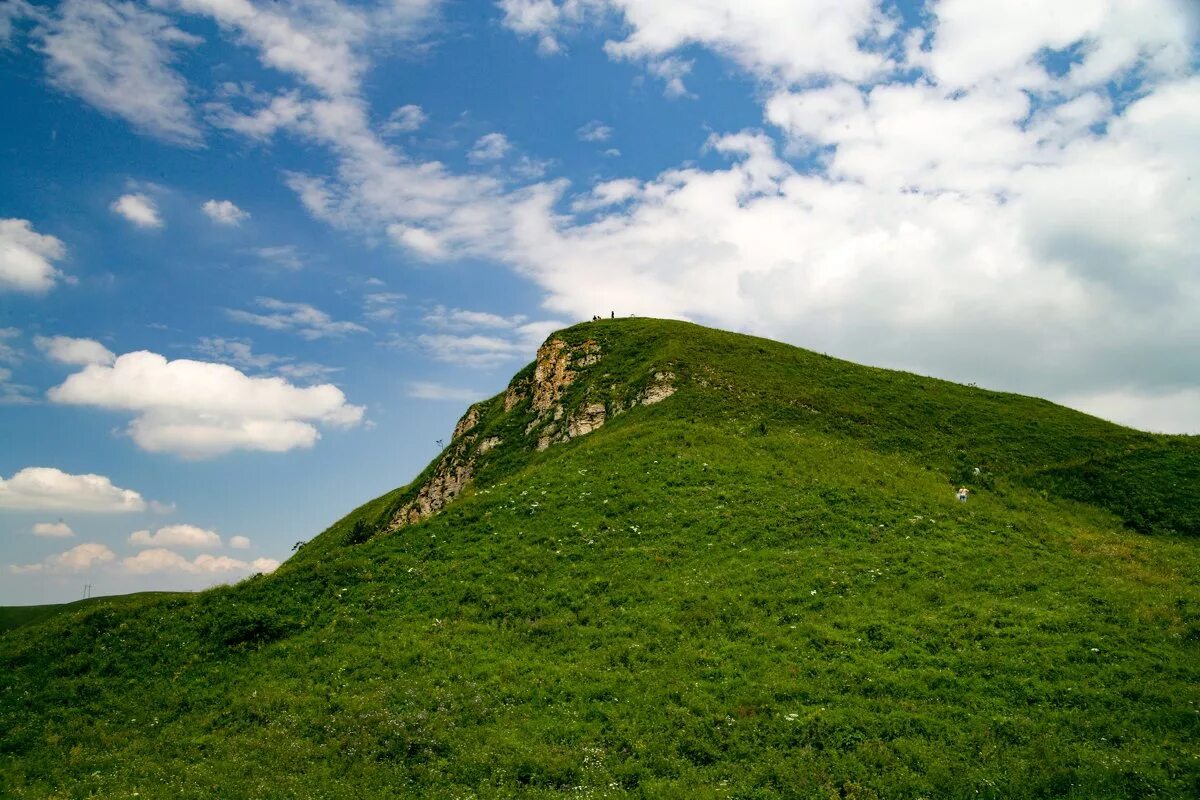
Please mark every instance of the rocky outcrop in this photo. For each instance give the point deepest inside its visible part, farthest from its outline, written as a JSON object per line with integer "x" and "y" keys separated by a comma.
{"x": 586, "y": 419}
{"x": 451, "y": 475}
{"x": 555, "y": 369}
{"x": 468, "y": 421}
{"x": 662, "y": 387}
{"x": 558, "y": 366}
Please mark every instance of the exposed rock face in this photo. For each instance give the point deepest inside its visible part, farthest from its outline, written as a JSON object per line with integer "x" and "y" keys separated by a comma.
{"x": 662, "y": 388}
{"x": 588, "y": 418}
{"x": 450, "y": 477}
{"x": 557, "y": 367}
{"x": 445, "y": 485}
{"x": 514, "y": 394}
{"x": 468, "y": 421}
{"x": 552, "y": 373}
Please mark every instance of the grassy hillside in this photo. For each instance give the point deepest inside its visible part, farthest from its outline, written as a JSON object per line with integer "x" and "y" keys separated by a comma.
{"x": 16, "y": 616}
{"x": 760, "y": 586}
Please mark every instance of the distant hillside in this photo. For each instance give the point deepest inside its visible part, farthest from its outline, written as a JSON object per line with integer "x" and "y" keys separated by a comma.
{"x": 16, "y": 616}
{"x": 670, "y": 561}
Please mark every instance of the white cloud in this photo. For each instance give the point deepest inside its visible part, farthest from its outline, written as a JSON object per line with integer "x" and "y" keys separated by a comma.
{"x": 69, "y": 350}
{"x": 404, "y": 119}
{"x": 138, "y": 209}
{"x": 594, "y": 131}
{"x": 13, "y": 394}
{"x": 80, "y": 558}
{"x": 11, "y": 12}
{"x": 609, "y": 193}
{"x": 264, "y": 565}
{"x": 118, "y": 57}
{"x": 488, "y": 350}
{"x": 459, "y": 318}
{"x": 51, "y": 489}
{"x": 320, "y": 42}
{"x": 198, "y": 409}
{"x": 988, "y": 220}
{"x": 239, "y": 543}
{"x": 381, "y": 306}
{"x": 8, "y": 353}
{"x": 58, "y": 529}
{"x": 426, "y": 390}
{"x": 490, "y": 147}
{"x": 300, "y": 318}
{"x": 162, "y": 560}
{"x": 284, "y": 255}
{"x": 224, "y": 212}
{"x": 239, "y": 353}
{"x": 777, "y": 40}
{"x": 27, "y": 257}
{"x": 176, "y": 536}
{"x": 671, "y": 71}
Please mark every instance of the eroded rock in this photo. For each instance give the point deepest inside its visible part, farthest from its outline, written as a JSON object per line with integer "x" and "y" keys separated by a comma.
{"x": 660, "y": 389}
{"x": 586, "y": 419}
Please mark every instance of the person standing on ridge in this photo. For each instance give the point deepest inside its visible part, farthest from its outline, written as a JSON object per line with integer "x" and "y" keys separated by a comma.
{"x": 962, "y": 494}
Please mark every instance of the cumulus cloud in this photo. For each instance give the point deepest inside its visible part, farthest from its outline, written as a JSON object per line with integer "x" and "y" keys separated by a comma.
{"x": 239, "y": 543}
{"x": 224, "y": 212}
{"x": 176, "y": 536}
{"x": 118, "y": 57}
{"x": 58, "y": 529}
{"x": 940, "y": 198}
{"x": 160, "y": 560}
{"x": 490, "y": 147}
{"x": 788, "y": 41}
{"x": 138, "y": 209}
{"x": 198, "y": 409}
{"x": 27, "y": 257}
{"x": 80, "y": 558}
{"x": 51, "y": 489}
{"x": 300, "y": 318}
{"x": 69, "y": 350}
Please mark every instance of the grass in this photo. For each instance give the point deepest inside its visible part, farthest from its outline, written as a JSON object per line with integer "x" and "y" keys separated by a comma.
{"x": 16, "y": 616}
{"x": 760, "y": 587}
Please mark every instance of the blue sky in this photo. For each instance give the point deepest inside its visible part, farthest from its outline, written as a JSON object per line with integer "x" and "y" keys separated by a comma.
{"x": 256, "y": 258}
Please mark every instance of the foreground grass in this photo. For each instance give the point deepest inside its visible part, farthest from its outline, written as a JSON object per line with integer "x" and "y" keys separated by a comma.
{"x": 761, "y": 587}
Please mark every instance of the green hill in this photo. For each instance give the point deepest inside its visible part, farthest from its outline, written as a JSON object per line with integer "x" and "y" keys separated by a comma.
{"x": 670, "y": 561}
{"x": 16, "y": 616}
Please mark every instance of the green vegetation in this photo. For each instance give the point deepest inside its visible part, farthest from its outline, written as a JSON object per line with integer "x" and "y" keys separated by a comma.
{"x": 16, "y": 616}
{"x": 760, "y": 587}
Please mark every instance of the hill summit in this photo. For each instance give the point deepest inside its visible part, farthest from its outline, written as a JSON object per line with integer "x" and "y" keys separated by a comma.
{"x": 669, "y": 561}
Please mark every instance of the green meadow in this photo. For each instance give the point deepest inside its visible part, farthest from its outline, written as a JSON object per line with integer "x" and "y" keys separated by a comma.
{"x": 761, "y": 587}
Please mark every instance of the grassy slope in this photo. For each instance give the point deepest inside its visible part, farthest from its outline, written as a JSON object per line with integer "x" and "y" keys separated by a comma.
{"x": 760, "y": 587}
{"x": 16, "y": 616}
